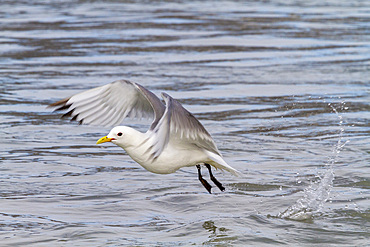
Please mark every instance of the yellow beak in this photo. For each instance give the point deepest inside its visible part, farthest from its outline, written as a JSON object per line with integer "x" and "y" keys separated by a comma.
{"x": 104, "y": 139}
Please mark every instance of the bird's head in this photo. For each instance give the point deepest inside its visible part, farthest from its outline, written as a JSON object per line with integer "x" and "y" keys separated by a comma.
{"x": 118, "y": 135}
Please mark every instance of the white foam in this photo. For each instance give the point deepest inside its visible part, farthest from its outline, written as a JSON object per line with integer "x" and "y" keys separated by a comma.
{"x": 318, "y": 192}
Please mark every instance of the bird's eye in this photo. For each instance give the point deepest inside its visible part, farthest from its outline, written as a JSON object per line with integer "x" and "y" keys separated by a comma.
{"x": 119, "y": 134}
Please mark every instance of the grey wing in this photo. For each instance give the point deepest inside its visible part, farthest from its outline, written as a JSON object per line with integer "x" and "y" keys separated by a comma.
{"x": 177, "y": 122}
{"x": 110, "y": 104}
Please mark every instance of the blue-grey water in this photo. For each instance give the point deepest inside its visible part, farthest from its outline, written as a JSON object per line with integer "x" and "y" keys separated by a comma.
{"x": 282, "y": 86}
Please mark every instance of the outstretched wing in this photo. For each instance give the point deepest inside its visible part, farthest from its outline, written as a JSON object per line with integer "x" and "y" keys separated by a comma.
{"x": 177, "y": 122}
{"x": 110, "y": 104}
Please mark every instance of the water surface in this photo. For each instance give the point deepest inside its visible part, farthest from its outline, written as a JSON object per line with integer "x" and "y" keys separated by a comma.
{"x": 283, "y": 87}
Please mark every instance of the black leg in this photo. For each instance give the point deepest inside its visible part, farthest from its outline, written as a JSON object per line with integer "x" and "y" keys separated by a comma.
{"x": 217, "y": 183}
{"x": 204, "y": 182}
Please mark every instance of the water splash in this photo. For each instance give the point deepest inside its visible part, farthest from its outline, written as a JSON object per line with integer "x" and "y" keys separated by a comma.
{"x": 317, "y": 193}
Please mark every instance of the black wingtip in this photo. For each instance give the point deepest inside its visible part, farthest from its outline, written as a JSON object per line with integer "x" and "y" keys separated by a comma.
{"x": 64, "y": 107}
{"x": 68, "y": 114}
{"x": 74, "y": 118}
{"x": 61, "y": 103}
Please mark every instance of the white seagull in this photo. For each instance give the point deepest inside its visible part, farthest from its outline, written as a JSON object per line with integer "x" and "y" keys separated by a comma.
{"x": 175, "y": 138}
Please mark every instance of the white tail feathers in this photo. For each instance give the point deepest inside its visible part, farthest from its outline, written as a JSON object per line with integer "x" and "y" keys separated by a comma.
{"x": 221, "y": 164}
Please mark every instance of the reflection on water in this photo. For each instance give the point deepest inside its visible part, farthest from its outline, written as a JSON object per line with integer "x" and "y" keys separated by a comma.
{"x": 263, "y": 77}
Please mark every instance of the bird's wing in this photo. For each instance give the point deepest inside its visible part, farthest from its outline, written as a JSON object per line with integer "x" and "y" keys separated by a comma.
{"x": 177, "y": 122}
{"x": 110, "y": 104}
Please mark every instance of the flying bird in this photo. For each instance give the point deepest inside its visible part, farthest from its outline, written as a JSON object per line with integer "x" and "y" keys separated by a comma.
{"x": 174, "y": 140}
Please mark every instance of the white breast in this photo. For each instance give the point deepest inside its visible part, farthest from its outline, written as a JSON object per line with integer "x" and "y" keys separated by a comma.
{"x": 173, "y": 157}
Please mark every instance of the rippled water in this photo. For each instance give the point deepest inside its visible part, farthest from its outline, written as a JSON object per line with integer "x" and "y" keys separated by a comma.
{"x": 283, "y": 87}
